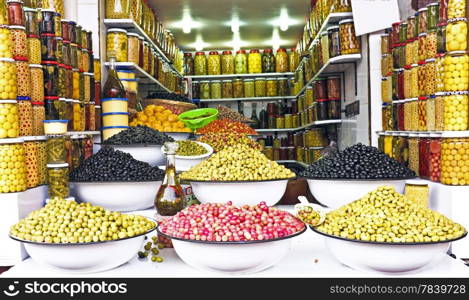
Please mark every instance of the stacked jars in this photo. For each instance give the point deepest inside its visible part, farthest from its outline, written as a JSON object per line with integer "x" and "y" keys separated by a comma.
{"x": 13, "y": 163}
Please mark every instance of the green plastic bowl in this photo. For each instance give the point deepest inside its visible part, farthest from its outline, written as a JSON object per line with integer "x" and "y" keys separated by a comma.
{"x": 192, "y": 118}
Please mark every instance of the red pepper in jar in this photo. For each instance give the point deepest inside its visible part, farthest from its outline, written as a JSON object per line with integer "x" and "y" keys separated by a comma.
{"x": 435, "y": 159}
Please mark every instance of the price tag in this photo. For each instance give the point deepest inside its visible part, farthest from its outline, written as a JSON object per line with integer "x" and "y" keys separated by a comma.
{"x": 373, "y": 15}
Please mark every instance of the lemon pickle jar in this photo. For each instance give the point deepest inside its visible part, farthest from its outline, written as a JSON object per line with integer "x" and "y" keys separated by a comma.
{"x": 456, "y": 34}
{"x": 213, "y": 63}
{"x": 456, "y": 70}
{"x": 117, "y": 44}
{"x": 13, "y": 164}
{"x": 454, "y": 170}
{"x": 200, "y": 63}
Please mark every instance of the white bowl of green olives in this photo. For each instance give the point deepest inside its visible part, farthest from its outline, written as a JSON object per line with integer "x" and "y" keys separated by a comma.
{"x": 335, "y": 193}
{"x": 233, "y": 258}
{"x": 382, "y": 257}
{"x": 179, "y": 136}
{"x": 149, "y": 153}
{"x": 184, "y": 163}
{"x": 120, "y": 196}
{"x": 240, "y": 192}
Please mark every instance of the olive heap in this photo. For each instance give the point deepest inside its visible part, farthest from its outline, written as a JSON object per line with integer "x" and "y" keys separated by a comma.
{"x": 114, "y": 165}
{"x": 309, "y": 216}
{"x": 65, "y": 221}
{"x": 237, "y": 163}
{"x": 220, "y": 141}
{"x": 358, "y": 162}
{"x": 225, "y": 112}
{"x": 229, "y": 223}
{"x": 383, "y": 215}
{"x": 139, "y": 135}
{"x": 190, "y": 148}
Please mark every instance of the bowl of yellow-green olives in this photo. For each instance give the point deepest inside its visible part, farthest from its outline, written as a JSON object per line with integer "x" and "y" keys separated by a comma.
{"x": 385, "y": 232}
{"x": 96, "y": 239}
{"x": 191, "y": 153}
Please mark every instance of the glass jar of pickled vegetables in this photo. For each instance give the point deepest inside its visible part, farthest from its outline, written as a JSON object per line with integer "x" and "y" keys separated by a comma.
{"x": 411, "y": 28}
{"x": 12, "y": 150}
{"x": 34, "y": 49}
{"x": 272, "y": 87}
{"x": 8, "y": 76}
{"x": 23, "y": 77}
{"x": 227, "y": 89}
{"x": 53, "y": 107}
{"x": 456, "y": 110}
{"x": 249, "y": 89}
{"x": 255, "y": 62}
{"x": 421, "y": 78}
{"x": 39, "y": 115}
{"x": 431, "y": 44}
{"x": 241, "y": 62}
{"x": 19, "y": 41}
{"x": 268, "y": 61}
{"x": 399, "y": 116}
{"x": 433, "y": 15}
{"x": 349, "y": 43}
{"x": 325, "y": 46}
{"x": 456, "y": 34}
{"x": 334, "y": 41}
{"x": 133, "y": 48}
{"x": 116, "y": 44}
{"x": 430, "y": 76}
{"x": 51, "y": 74}
{"x": 215, "y": 89}
{"x": 117, "y": 9}
{"x": 260, "y": 87}
{"x": 422, "y": 20}
{"x": 395, "y": 33}
{"x": 414, "y": 153}
{"x": 422, "y": 50}
{"x": 386, "y": 89}
{"x": 200, "y": 63}
{"x": 205, "y": 90}
{"x": 57, "y": 178}
{"x": 441, "y": 38}
{"x": 407, "y": 81}
{"x": 6, "y": 42}
{"x": 15, "y": 12}
{"x": 403, "y": 32}
{"x": 293, "y": 59}
{"x": 12, "y": 124}
{"x": 411, "y": 52}
{"x": 395, "y": 56}
{"x": 31, "y": 21}
{"x": 384, "y": 44}
{"x": 3, "y": 13}
{"x": 454, "y": 146}
{"x": 238, "y": 88}
{"x": 456, "y": 80}
{"x": 74, "y": 56}
{"x": 281, "y": 61}
{"x": 424, "y": 155}
{"x": 456, "y": 9}
{"x": 431, "y": 113}
{"x": 386, "y": 116}
{"x": 227, "y": 66}
{"x": 422, "y": 113}
{"x": 214, "y": 63}
{"x": 188, "y": 64}
{"x": 78, "y": 116}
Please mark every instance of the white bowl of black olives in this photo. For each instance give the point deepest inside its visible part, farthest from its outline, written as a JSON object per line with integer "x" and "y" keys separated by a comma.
{"x": 149, "y": 153}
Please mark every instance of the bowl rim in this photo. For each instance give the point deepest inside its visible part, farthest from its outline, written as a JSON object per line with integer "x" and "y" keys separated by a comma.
{"x": 89, "y": 243}
{"x": 231, "y": 242}
{"x": 385, "y": 243}
{"x": 131, "y": 145}
{"x": 121, "y": 182}
{"x": 355, "y": 179}
{"x": 238, "y": 181}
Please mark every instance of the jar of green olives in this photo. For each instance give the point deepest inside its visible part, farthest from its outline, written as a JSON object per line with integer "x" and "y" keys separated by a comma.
{"x": 57, "y": 177}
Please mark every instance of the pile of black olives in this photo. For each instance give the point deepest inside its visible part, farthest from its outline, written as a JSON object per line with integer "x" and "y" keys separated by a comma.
{"x": 358, "y": 162}
{"x": 114, "y": 165}
{"x": 139, "y": 135}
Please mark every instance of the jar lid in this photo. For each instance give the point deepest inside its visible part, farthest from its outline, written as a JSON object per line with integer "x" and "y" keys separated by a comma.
{"x": 133, "y": 34}
{"x": 49, "y": 62}
{"x": 324, "y": 33}
{"x": 51, "y": 166}
{"x": 438, "y": 94}
{"x": 51, "y": 98}
{"x": 321, "y": 100}
{"x": 114, "y": 99}
{"x": 422, "y": 34}
{"x": 332, "y": 27}
{"x": 414, "y": 65}
{"x": 416, "y": 182}
{"x": 457, "y": 52}
{"x": 200, "y": 53}
{"x": 396, "y": 23}
{"x": 227, "y": 80}
{"x": 59, "y": 38}
{"x": 47, "y": 34}
{"x": 457, "y": 20}
{"x": 254, "y": 51}
{"x": 442, "y": 24}
{"x": 23, "y": 98}
{"x": 136, "y": 79}
{"x": 62, "y": 65}
{"x": 248, "y": 79}
{"x": 55, "y": 121}
{"x": 63, "y": 99}
{"x": 260, "y": 78}
{"x": 37, "y": 103}
{"x": 32, "y": 36}
{"x": 267, "y": 50}
{"x": 422, "y": 62}
{"x": 48, "y": 10}
{"x": 188, "y": 54}
{"x": 8, "y": 101}
{"x": 20, "y": 58}
{"x": 29, "y": 9}
{"x": 213, "y": 53}
{"x": 422, "y": 98}
{"x": 241, "y": 52}
{"x": 281, "y": 50}
{"x": 429, "y": 60}
{"x": 114, "y": 127}
{"x": 433, "y": 4}
{"x": 66, "y": 42}
{"x": 346, "y": 21}
{"x": 12, "y": 141}
{"x": 88, "y": 74}
{"x": 76, "y": 70}
{"x": 117, "y": 30}
{"x": 114, "y": 113}
{"x": 17, "y": 27}
{"x": 7, "y": 59}
{"x": 68, "y": 100}
{"x": 440, "y": 55}
{"x": 97, "y": 107}
{"x": 455, "y": 134}
{"x": 422, "y": 9}
{"x": 228, "y": 52}
{"x": 64, "y": 21}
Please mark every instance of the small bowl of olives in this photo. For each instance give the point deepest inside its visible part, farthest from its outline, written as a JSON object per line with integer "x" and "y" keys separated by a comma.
{"x": 191, "y": 153}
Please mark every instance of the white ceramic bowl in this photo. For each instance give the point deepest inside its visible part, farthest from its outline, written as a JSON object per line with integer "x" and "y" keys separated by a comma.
{"x": 85, "y": 257}
{"x": 118, "y": 196}
{"x": 151, "y": 154}
{"x": 335, "y": 193}
{"x": 233, "y": 257}
{"x": 179, "y": 136}
{"x": 398, "y": 258}
{"x": 239, "y": 192}
{"x": 184, "y": 163}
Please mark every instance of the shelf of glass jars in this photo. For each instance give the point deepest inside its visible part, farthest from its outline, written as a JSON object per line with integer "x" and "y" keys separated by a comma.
{"x": 315, "y": 123}
{"x": 254, "y": 99}
{"x": 131, "y": 26}
{"x": 69, "y": 133}
{"x": 336, "y": 64}
{"x": 140, "y": 73}
{"x": 293, "y": 162}
{"x": 444, "y": 134}
{"x": 253, "y": 75}
{"x": 332, "y": 19}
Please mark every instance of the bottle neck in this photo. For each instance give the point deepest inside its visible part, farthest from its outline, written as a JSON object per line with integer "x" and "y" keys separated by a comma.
{"x": 170, "y": 174}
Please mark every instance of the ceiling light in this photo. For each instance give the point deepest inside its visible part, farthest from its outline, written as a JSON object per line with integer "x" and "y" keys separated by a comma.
{"x": 284, "y": 21}
{"x": 236, "y": 43}
{"x": 187, "y": 23}
{"x": 199, "y": 44}
{"x": 235, "y": 23}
